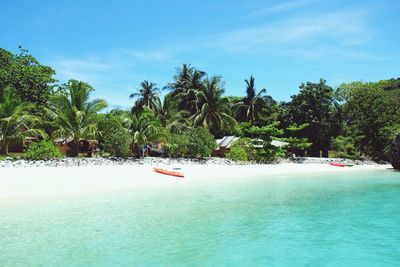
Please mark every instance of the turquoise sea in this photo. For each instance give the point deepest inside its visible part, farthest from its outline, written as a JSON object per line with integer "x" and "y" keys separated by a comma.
{"x": 348, "y": 219}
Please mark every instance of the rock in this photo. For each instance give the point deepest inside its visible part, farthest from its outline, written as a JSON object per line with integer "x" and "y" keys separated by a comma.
{"x": 394, "y": 154}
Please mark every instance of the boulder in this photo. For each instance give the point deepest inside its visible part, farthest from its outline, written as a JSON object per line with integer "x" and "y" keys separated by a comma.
{"x": 394, "y": 154}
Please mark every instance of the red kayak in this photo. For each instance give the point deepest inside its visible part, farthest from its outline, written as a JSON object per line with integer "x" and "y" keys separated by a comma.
{"x": 167, "y": 172}
{"x": 337, "y": 164}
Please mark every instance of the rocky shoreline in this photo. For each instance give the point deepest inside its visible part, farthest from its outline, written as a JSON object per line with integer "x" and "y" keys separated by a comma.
{"x": 98, "y": 161}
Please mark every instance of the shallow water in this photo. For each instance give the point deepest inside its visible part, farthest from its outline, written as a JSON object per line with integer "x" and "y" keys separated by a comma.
{"x": 326, "y": 220}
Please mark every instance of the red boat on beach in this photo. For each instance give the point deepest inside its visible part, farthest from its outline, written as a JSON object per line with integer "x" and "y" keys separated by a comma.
{"x": 171, "y": 173}
{"x": 337, "y": 164}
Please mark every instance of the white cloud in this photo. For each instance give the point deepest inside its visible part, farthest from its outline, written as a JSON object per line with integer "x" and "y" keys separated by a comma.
{"x": 345, "y": 28}
{"x": 282, "y": 7}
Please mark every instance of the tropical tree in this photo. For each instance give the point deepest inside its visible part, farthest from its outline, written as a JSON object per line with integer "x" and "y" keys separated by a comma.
{"x": 32, "y": 81}
{"x": 166, "y": 111}
{"x": 252, "y": 104}
{"x": 74, "y": 113}
{"x": 372, "y": 115}
{"x": 146, "y": 96}
{"x": 213, "y": 110}
{"x": 315, "y": 105}
{"x": 15, "y": 120}
{"x": 187, "y": 83}
{"x": 144, "y": 128}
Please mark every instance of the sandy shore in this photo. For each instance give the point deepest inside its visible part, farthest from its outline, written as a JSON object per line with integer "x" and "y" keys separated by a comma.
{"x": 22, "y": 184}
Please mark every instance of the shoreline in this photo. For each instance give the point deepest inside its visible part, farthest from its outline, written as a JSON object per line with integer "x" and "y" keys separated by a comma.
{"x": 43, "y": 183}
{"x": 103, "y": 161}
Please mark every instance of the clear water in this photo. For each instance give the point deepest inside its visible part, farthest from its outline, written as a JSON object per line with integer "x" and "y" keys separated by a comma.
{"x": 340, "y": 220}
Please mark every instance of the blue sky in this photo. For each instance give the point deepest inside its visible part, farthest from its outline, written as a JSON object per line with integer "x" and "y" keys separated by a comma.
{"x": 114, "y": 45}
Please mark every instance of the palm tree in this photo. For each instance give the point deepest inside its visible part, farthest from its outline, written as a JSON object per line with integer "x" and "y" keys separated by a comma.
{"x": 213, "y": 112}
{"x": 166, "y": 111}
{"x": 73, "y": 113}
{"x": 146, "y": 96}
{"x": 15, "y": 120}
{"x": 144, "y": 128}
{"x": 188, "y": 82}
{"x": 251, "y": 105}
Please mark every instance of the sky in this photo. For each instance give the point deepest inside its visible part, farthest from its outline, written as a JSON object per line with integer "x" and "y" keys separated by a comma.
{"x": 114, "y": 45}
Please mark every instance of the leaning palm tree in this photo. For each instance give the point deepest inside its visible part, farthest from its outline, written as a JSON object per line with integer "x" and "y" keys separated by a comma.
{"x": 144, "y": 128}
{"x": 15, "y": 120}
{"x": 74, "y": 114}
{"x": 213, "y": 112}
{"x": 145, "y": 96}
{"x": 251, "y": 105}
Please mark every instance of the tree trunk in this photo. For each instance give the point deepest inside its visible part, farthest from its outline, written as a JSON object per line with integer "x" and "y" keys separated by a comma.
{"x": 325, "y": 153}
{"x": 5, "y": 148}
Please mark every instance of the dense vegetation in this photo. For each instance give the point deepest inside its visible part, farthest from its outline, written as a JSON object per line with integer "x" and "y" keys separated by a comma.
{"x": 357, "y": 119}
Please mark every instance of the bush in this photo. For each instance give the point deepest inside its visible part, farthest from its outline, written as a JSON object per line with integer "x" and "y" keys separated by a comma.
{"x": 343, "y": 147}
{"x": 117, "y": 142}
{"x": 242, "y": 150}
{"x": 237, "y": 153}
{"x": 394, "y": 154}
{"x": 177, "y": 145}
{"x": 193, "y": 143}
{"x": 43, "y": 150}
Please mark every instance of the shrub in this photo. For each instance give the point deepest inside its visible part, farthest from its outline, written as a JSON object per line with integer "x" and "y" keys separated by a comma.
{"x": 117, "y": 142}
{"x": 242, "y": 145}
{"x": 194, "y": 143}
{"x": 237, "y": 153}
{"x": 343, "y": 147}
{"x": 43, "y": 150}
{"x": 177, "y": 145}
{"x": 201, "y": 142}
{"x": 394, "y": 154}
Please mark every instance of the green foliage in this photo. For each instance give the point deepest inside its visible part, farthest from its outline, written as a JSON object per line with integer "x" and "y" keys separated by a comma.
{"x": 213, "y": 110}
{"x": 242, "y": 150}
{"x": 32, "y": 81}
{"x": 372, "y": 114}
{"x": 43, "y": 150}
{"x": 262, "y": 139}
{"x": 343, "y": 147}
{"x": 178, "y": 145}
{"x": 16, "y": 122}
{"x": 146, "y": 97}
{"x": 74, "y": 114}
{"x": 315, "y": 105}
{"x": 254, "y": 107}
{"x": 145, "y": 127}
{"x": 118, "y": 142}
{"x": 184, "y": 89}
{"x": 237, "y": 153}
{"x": 112, "y": 135}
{"x": 193, "y": 143}
{"x": 394, "y": 154}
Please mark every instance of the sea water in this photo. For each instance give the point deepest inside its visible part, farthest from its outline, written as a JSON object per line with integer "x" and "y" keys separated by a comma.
{"x": 347, "y": 219}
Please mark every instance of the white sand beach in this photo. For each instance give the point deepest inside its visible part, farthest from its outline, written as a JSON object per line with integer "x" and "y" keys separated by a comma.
{"x": 40, "y": 183}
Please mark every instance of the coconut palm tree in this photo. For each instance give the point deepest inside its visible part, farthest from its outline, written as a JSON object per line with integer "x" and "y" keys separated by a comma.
{"x": 166, "y": 111}
{"x": 74, "y": 114}
{"x": 146, "y": 96}
{"x": 187, "y": 83}
{"x": 15, "y": 120}
{"x": 144, "y": 128}
{"x": 213, "y": 111}
{"x": 251, "y": 105}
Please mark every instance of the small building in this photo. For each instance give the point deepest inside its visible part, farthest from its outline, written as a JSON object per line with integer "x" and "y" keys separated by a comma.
{"x": 66, "y": 146}
{"x": 224, "y": 145}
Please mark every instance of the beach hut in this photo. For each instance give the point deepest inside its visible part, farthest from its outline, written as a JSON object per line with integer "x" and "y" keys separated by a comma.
{"x": 224, "y": 145}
